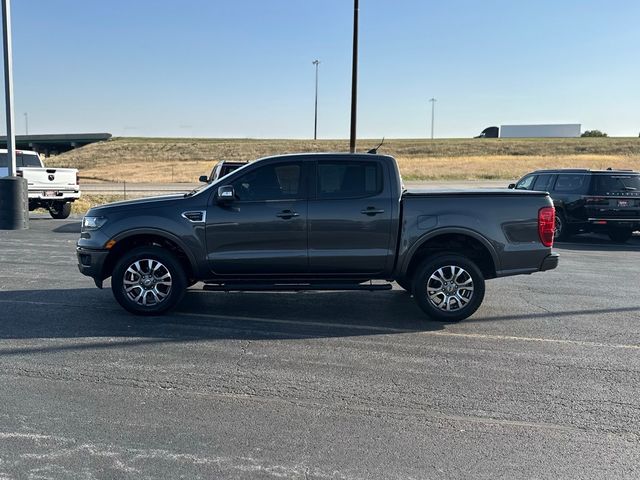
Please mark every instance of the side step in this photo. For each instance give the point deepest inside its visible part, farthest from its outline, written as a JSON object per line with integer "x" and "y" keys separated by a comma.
{"x": 293, "y": 287}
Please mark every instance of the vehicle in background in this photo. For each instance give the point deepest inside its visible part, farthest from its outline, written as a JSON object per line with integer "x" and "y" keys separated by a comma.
{"x": 222, "y": 169}
{"x": 590, "y": 200}
{"x": 317, "y": 222}
{"x": 53, "y": 189}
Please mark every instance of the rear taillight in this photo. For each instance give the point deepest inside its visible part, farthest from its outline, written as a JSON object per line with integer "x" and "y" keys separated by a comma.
{"x": 546, "y": 225}
{"x": 77, "y": 178}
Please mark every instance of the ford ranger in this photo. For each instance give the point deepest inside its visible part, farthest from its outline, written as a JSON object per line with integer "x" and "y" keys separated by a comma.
{"x": 317, "y": 222}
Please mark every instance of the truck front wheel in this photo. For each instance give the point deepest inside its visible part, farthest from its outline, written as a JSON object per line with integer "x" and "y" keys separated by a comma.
{"x": 449, "y": 287}
{"x": 60, "y": 210}
{"x": 148, "y": 280}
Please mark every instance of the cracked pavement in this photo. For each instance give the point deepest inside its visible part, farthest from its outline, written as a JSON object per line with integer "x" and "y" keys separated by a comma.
{"x": 542, "y": 382}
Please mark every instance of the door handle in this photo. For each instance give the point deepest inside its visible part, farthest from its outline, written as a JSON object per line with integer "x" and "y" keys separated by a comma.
{"x": 371, "y": 211}
{"x": 287, "y": 214}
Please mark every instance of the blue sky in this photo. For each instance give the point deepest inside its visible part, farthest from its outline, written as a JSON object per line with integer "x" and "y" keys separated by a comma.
{"x": 243, "y": 68}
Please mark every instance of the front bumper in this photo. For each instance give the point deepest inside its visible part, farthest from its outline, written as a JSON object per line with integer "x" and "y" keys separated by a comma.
{"x": 550, "y": 262}
{"x": 91, "y": 263}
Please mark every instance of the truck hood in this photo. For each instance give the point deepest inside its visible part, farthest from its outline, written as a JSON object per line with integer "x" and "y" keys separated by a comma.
{"x": 148, "y": 202}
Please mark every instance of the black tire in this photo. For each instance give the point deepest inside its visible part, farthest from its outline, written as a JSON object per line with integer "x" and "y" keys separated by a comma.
{"x": 60, "y": 210}
{"x": 150, "y": 286}
{"x": 620, "y": 235}
{"x": 563, "y": 230}
{"x": 454, "y": 293}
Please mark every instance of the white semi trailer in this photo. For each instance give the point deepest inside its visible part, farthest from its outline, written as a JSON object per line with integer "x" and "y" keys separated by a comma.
{"x": 559, "y": 130}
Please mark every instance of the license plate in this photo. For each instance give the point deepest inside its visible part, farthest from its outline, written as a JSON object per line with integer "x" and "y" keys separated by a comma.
{"x": 50, "y": 193}
{"x": 623, "y": 203}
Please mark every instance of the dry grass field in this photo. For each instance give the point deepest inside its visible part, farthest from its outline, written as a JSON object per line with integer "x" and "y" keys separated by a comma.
{"x": 163, "y": 160}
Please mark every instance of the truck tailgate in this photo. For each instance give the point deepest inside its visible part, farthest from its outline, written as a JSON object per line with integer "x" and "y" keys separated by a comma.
{"x": 50, "y": 178}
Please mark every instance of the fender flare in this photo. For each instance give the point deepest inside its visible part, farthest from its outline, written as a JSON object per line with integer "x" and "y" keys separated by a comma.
{"x": 404, "y": 267}
{"x": 164, "y": 234}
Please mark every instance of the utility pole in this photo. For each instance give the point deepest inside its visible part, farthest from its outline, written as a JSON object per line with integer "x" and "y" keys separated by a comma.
{"x": 433, "y": 114}
{"x": 26, "y": 123}
{"x": 315, "y": 123}
{"x": 354, "y": 79}
{"x": 14, "y": 202}
{"x": 8, "y": 86}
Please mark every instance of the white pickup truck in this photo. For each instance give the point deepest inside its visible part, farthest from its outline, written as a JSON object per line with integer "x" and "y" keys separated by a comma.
{"x": 51, "y": 188}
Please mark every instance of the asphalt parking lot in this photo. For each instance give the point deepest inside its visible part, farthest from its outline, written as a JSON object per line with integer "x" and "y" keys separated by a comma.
{"x": 542, "y": 382}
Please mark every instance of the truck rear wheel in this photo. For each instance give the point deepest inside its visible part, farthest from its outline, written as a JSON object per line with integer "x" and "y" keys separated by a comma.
{"x": 148, "y": 280}
{"x": 448, "y": 287}
{"x": 60, "y": 210}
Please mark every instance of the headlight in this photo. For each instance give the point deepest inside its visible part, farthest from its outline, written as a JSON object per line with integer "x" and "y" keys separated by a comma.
{"x": 93, "y": 223}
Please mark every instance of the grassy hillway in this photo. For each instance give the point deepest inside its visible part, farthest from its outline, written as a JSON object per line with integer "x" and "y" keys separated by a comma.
{"x": 164, "y": 160}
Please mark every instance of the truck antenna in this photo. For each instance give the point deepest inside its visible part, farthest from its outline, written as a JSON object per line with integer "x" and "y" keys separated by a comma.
{"x": 375, "y": 150}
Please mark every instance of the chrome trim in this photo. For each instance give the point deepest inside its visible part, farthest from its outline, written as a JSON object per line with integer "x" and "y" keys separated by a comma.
{"x": 637, "y": 219}
{"x": 202, "y": 212}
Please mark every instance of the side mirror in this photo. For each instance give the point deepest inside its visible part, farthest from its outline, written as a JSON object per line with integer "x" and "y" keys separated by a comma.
{"x": 204, "y": 179}
{"x": 226, "y": 194}
{"x": 512, "y": 186}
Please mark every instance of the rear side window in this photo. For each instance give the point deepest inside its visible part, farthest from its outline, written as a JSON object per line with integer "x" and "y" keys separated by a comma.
{"x": 22, "y": 160}
{"x": 615, "y": 184}
{"x": 543, "y": 183}
{"x": 349, "y": 179}
{"x": 571, "y": 183}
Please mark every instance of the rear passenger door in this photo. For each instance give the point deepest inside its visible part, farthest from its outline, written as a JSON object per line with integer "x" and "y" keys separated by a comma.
{"x": 350, "y": 217}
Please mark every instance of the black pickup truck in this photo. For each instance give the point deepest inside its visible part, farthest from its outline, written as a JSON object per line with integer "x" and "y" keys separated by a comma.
{"x": 318, "y": 222}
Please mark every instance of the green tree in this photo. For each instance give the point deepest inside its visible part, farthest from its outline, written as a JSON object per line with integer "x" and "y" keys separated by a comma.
{"x": 594, "y": 133}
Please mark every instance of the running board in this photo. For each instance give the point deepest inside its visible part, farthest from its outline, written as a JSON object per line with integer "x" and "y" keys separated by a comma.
{"x": 293, "y": 287}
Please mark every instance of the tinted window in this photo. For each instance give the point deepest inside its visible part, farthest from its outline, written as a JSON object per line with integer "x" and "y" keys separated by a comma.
{"x": 607, "y": 184}
{"x": 526, "y": 183}
{"x": 271, "y": 182}
{"x": 543, "y": 183}
{"x": 571, "y": 183}
{"x": 345, "y": 179}
{"x": 22, "y": 160}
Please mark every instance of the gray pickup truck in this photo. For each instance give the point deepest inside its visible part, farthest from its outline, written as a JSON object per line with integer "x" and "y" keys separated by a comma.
{"x": 317, "y": 222}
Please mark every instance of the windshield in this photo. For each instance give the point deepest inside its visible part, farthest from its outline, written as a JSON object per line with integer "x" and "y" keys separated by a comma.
{"x": 610, "y": 184}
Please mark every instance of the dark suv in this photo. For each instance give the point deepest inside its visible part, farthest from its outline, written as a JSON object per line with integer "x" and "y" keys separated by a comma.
{"x": 590, "y": 200}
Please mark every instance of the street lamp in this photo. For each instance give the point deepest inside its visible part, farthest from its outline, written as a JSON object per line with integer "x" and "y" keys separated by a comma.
{"x": 26, "y": 123}
{"x": 433, "y": 113}
{"x": 315, "y": 123}
{"x": 14, "y": 202}
{"x": 354, "y": 79}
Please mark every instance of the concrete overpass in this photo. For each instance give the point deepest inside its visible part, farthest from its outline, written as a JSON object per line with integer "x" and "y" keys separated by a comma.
{"x": 55, "y": 143}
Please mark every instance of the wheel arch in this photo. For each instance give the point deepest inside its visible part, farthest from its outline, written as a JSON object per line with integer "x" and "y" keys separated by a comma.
{"x": 455, "y": 241}
{"x": 140, "y": 237}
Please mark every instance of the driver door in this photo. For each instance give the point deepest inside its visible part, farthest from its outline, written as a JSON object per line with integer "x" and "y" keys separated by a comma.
{"x": 264, "y": 229}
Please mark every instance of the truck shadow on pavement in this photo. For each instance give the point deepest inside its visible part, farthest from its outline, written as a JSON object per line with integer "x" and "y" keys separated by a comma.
{"x": 79, "y": 319}
{"x": 599, "y": 243}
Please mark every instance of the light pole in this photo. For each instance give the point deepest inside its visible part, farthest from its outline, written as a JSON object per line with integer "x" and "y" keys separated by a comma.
{"x": 26, "y": 123}
{"x": 315, "y": 122}
{"x": 354, "y": 79}
{"x": 14, "y": 202}
{"x": 433, "y": 114}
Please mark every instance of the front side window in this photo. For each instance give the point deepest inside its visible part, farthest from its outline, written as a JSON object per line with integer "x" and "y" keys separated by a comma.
{"x": 526, "y": 183}
{"x": 349, "y": 179}
{"x": 543, "y": 183}
{"x": 271, "y": 182}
